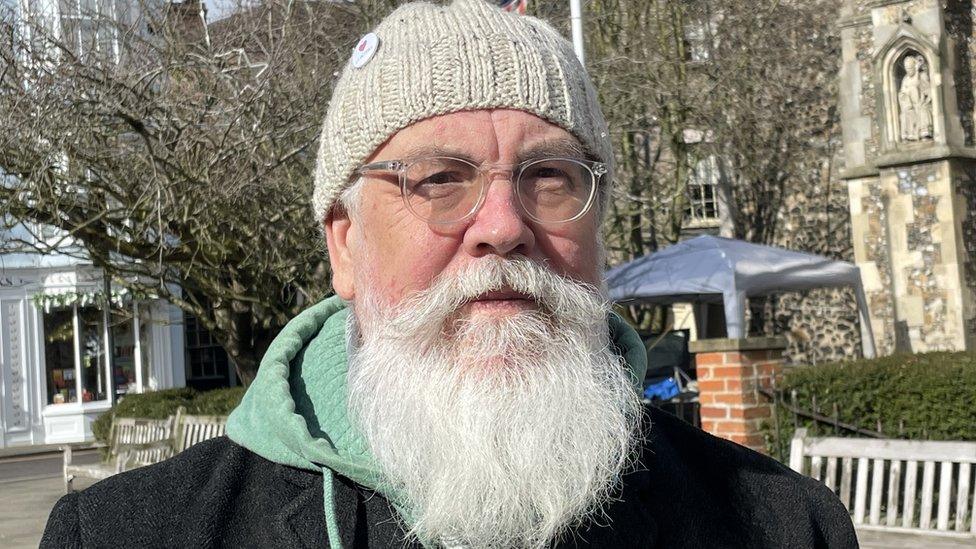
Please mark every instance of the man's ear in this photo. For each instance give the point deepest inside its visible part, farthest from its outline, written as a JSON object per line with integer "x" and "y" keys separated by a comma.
{"x": 337, "y": 231}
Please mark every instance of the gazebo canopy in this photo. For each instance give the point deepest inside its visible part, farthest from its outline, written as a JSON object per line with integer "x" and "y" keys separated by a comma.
{"x": 710, "y": 268}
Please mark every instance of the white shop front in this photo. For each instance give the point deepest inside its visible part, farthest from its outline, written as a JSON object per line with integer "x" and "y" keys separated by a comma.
{"x": 54, "y": 369}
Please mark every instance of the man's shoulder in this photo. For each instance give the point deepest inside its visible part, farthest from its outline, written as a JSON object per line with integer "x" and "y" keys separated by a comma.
{"x": 166, "y": 482}
{"x": 715, "y": 478}
{"x": 169, "y": 498}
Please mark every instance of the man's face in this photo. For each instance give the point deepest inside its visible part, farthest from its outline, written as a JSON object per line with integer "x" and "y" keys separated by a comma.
{"x": 471, "y": 332}
{"x": 389, "y": 253}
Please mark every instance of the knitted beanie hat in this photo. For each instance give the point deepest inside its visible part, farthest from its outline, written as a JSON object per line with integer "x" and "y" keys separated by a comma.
{"x": 425, "y": 60}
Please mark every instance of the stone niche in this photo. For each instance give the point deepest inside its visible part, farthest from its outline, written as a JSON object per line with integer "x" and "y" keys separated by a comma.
{"x": 909, "y": 71}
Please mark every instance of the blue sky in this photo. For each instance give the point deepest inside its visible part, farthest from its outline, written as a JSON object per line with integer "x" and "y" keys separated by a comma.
{"x": 217, "y": 9}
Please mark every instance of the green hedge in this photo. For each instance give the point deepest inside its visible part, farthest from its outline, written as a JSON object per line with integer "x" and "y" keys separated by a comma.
{"x": 927, "y": 396}
{"x": 162, "y": 404}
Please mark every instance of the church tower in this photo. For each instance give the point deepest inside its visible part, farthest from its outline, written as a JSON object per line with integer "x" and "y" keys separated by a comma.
{"x": 906, "y": 100}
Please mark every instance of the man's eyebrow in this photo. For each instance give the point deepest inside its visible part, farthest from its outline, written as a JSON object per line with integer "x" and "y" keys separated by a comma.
{"x": 425, "y": 151}
{"x": 561, "y": 148}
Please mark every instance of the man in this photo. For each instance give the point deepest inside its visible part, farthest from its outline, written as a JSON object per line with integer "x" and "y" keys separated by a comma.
{"x": 468, "y": 386}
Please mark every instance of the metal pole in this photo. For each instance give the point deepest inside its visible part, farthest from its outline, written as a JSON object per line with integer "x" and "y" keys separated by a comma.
{"x": 576, "y": 19}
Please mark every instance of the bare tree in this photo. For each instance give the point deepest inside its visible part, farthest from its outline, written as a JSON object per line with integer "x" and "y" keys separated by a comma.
{"x": 175, "y": 155}
{"x": 178, "y": 156}
{"x": 747, "y": 86}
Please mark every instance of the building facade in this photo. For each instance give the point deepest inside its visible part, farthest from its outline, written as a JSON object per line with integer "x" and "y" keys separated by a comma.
{"x": 57, "y": 375}
{"x": 906, "y": 101}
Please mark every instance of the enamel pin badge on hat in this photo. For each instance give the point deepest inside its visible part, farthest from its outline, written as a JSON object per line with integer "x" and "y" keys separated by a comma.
{"x": 365, "y": 50}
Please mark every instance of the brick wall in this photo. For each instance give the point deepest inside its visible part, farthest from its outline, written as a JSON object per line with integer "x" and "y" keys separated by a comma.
{"x": 730, "y": 373}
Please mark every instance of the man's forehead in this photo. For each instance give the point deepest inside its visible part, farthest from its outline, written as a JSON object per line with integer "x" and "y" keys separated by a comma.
{"x": 475, "y": 135}
{"x": 564, "y": 147}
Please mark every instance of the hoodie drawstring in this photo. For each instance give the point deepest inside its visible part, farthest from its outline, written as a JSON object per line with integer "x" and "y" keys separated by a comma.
{"x": 331, "y": 524}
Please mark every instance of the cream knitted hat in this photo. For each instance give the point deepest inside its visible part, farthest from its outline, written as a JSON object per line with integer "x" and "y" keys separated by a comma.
{"x": 426, "y": 60}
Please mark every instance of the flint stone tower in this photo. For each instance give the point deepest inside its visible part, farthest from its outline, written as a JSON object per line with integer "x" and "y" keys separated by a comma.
{"x": 906, "y": 98}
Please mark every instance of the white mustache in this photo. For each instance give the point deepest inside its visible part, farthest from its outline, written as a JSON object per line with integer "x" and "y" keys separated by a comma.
{"x": 554, "y": 293}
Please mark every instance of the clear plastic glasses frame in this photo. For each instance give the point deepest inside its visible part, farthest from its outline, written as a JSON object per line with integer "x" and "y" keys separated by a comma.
{"x": 445, "y": 197}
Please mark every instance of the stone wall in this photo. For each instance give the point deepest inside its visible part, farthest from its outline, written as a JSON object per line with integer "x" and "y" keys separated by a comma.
{"x": 959, "y": 15}
{"x": 868, "y": 91}
{"x": 926, "y": 301}
{"x": 820, "y": 325}
{"x": 869, "y": 219}
{"x": 965, "y": 191}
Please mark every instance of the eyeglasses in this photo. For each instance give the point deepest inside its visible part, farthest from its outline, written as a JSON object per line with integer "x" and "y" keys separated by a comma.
{"x": 442, "y": 189}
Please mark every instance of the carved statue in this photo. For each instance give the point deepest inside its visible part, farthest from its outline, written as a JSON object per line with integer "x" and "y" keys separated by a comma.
{"x": 915, "y": 101}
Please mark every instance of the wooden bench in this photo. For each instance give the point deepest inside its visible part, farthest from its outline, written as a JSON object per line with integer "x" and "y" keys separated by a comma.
{"x": 191, "y": 430}
{"x": 895, "y": 485}
{"x": 137, "y": 442}
{"x": 132, "y": 442}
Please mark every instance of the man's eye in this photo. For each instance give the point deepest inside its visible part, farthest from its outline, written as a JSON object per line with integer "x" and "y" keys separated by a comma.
{"x": 442, "y": 178}
{"x": 547, "y": 179}
{"x": 550, "y": 173}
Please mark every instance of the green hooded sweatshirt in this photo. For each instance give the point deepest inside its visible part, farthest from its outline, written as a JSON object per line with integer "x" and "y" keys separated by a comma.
{"x": 294, "y": 413}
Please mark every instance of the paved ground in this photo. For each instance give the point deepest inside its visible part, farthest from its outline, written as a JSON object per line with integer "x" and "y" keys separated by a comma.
{"x": 37, "y": 466}
{"x": 25, "y": 506}
{"x": 29, "y": 488}
{"x": 886, "y": 540}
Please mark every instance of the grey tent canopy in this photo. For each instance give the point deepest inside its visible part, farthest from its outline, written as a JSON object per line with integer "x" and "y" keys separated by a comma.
{"x": 710, "y": 268}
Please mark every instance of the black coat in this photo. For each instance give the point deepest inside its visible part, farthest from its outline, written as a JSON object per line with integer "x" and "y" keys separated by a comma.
{"x": 690, "y": 490}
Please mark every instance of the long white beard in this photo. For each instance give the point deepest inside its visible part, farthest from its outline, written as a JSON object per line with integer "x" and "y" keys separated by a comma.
{"x": 498, "y": 432}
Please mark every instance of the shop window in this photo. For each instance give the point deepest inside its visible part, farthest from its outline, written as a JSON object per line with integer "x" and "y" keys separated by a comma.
{"x": 78, "y": 368}
{"x": 145, "y": 345}
{"x": 60, "y": 356}
{"x": 124, "y": 357}
{"x": 94, "y": 384}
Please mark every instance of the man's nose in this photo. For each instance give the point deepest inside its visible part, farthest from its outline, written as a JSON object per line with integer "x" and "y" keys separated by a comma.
{"x": 499, "y": 227}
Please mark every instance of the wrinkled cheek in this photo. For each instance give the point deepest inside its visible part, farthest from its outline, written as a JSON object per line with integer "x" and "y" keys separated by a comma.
{"x": 410, "y": 265}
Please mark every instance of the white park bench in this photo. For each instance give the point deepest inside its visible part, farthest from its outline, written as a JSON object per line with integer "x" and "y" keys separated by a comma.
{"x": 132, "y": 442}
{"x": 193, "y": 429}
{"x": 137, "y": 442}
{"x": 895, "y": 485}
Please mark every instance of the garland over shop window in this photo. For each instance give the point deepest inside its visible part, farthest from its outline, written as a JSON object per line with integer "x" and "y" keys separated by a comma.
{"x": 57, "y": 300}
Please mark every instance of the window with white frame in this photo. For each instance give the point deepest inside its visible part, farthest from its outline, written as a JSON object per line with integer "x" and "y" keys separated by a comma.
{"x": 74, "y": 352}
{"x": 703, "y": 204}
{"x": 59, "y": 355}
{"x": 88, "y": 27}
{"x": 76, "y": 365}
{"x": 697, "y": 42}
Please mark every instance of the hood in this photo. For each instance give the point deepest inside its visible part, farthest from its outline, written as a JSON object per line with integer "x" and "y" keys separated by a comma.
{"x": 294, "y": 413}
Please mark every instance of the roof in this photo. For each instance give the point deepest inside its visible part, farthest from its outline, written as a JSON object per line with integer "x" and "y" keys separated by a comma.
{"x": 709, "y": 267}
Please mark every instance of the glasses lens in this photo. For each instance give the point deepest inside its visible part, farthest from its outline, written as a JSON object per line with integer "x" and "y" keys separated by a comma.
{"x": 555, "y": 190}
{"x": 441, "y": 190}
